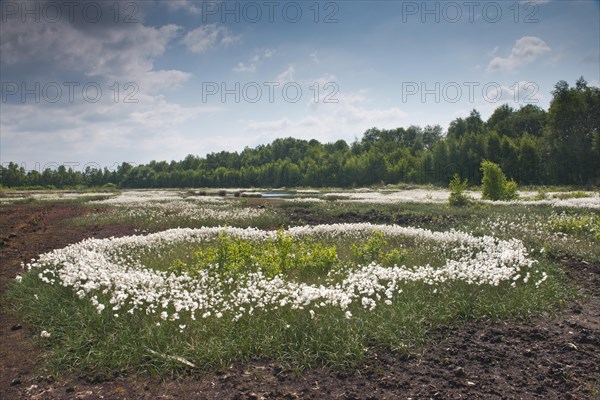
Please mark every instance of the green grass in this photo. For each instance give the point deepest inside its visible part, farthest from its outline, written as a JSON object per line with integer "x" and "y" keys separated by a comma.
{"x": 156, "y": 218}
{"x": 84, "y": 341}
{"x": 571, "y": 195}
{"x": 578, "y": 224}
{"x": 533, "y": 224}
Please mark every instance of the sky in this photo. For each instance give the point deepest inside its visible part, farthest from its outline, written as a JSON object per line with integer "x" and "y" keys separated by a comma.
{"x": 97, "y": 83}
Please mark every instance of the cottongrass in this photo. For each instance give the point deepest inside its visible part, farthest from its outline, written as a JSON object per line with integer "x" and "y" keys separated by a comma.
{"x": 138, "y": 197}
{"x": 440, "y": 196}
{"x": 592, "y": 202}
{"x": 51, "y": 196}
{"x": 390, "y": 196}
{"x": 160, "y": 209}
{"x": 111, "y": 267}
{"x": 558, "y": 233}
{"x": 105, "y": 310}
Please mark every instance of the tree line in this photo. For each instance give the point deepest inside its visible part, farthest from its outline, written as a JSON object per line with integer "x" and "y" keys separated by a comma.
{"x": 531, "y": 145}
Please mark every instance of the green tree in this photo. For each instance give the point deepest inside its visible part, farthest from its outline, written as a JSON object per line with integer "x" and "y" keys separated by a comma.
{"x": 501, "y": 120}
{"x": 529, "y": 119}
{"x": 572, "y": 133}
{"x": 474, "y": 123}
{"x": 13, "y": 175}
{"x": 457, "y": 191}
{"x": 495, "y": 184}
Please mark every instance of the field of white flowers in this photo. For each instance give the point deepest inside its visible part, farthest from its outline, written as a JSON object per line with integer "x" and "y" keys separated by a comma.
{"x": 134, "y": 198}
{"x": 112, "y": 267}
{"x": 217, "y": 282}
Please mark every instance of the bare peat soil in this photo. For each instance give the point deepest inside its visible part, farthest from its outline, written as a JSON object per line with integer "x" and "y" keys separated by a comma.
{"x": 544, "y": 357}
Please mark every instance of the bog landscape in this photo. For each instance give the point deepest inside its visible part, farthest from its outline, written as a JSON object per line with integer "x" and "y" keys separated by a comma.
{"x": 302, "y": 293}
{"x": 299, "y": 200}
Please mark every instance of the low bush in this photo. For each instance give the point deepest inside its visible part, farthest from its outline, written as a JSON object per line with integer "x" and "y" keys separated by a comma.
{"x": 495, "y": 185}
{"x": 457, "y": 188}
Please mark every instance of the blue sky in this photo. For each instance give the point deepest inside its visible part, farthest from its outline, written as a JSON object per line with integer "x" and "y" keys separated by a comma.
{"x": 100, "y": 83}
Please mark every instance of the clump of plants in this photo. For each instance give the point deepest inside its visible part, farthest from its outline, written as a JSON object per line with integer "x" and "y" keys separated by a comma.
{"x": 542, "y": 194}
{"x": 229, "y": 256}
{"x": 571, "y": 195}
{"x": 495, "y": 185}
{"x": 457, "y": 191}
{"x": 576, "y": 224}
{"x": 376, "y": 249}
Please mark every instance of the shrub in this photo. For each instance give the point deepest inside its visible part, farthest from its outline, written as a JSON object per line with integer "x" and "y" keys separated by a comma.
{"x": 510, "y": 190}
{"x": 541, "y": 195}
{"x": 457, "y": 188}
{"x": 495, "y": 185}
{"x": 376, "y": 249}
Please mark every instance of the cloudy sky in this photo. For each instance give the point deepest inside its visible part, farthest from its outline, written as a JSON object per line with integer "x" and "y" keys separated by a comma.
{"x": 102, "y": 82}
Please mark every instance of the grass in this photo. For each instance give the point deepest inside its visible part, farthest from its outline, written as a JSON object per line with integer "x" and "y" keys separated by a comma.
{"x": 83, "y": 340}
{"x": 571, "y": 195}
{"x": 535, "y": 225}
{"x": 160, "y": 216}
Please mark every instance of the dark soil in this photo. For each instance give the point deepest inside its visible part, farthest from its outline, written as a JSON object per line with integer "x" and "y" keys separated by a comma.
{"x": 300, "y": 216}
{"x": 545, "y": 357}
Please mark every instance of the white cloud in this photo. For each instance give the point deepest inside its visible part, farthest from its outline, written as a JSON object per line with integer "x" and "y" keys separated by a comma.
{"x": 163, "y": 115}
{"x": 120, "y": 59}
{"x": 327, "y": 89}
{"x": 241, "y": 67}
{"x": 493, "y": 52}
{"x": 206, "y": 37}
{"x": 158, "y": 81}
{"x": 526, "y": 50}
{"x": 315, "y": 56}
{"x": 184, "y": 5}
{"x": 256, "y": 60}
{"x": 90, "y": 131}
{"x": 229, "y": 39}
{"x": 269, "y": 126}
{"x": 329, "y": 122}
{"x": 124, "y": 51}
{"x": 352, "y": 110}
{"x": 287, "y": 75}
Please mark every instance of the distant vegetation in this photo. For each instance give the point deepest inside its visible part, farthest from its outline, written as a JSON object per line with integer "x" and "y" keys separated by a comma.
{"x": 532, "y": 146}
